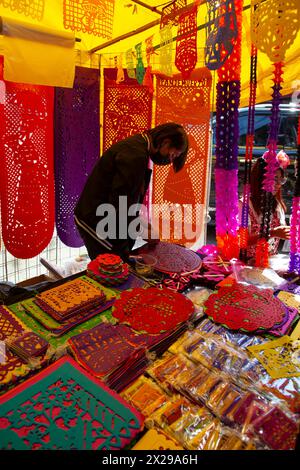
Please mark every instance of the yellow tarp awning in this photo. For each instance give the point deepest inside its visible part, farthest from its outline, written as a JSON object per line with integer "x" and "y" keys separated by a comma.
{"x": 129, "y": 16}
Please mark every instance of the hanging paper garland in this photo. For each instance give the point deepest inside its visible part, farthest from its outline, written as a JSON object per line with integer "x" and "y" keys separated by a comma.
{"x": 274, "y": 28}
{"x": 130, "y": 64}
{"x": 243, "y": 232}
{"x": 187, "y": 102}
{"x": 186, "y": 45}
{"x": 89, "y": 16}
{"x": 77, "y": 147}
{"x": 170, "y": 13}
{"x": 26, "y": 169}
{"x": 140, "y": 69}
{"x": 221, "y": 33}
{"x": 149, "y": 52}
{"x": 227, "y": 131}
{"x": 294, "y": 265}
{"x": 120, "y": 74}
{"x": 128, "y": 108}
{"x": 165, "y": 50}
{"x": 32, "y": 8}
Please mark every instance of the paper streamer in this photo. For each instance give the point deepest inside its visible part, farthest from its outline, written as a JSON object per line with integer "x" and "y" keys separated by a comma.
{"x": 77, "y": 147}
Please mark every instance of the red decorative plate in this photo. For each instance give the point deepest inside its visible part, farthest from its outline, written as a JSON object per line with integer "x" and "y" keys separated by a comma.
{"x": 244, "y": 307}
{"x": 173, "y": 258}
{"x": 152, "y": 310}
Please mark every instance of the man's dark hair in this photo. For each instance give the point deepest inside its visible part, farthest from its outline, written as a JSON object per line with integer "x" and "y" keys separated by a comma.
{"x": 179, "y": 139}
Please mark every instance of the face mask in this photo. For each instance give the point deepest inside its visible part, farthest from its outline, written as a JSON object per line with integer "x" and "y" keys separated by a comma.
{"x": 158, "y": 159}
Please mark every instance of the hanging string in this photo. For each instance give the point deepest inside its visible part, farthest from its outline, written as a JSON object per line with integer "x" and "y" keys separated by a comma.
{"x": 294, "y": 265}
{"x": 243, "y": 231}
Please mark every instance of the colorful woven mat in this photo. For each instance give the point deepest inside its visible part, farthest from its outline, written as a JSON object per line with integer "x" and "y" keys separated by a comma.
{"x": 9, "y": 324}
{"x": 81, "y": 413}
{"x": 173, "y": 258}
{"x": 245, "y": 307}
{"x": 152, "y": 310}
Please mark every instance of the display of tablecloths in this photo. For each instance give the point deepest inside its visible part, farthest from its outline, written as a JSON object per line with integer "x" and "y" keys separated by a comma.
{"x": 108, "y": 269}
{"x": 64, "y": 408}
{"x": 70, "y": 299}
{"x": 245, "y": 307}
{"x": 152, "y": 310}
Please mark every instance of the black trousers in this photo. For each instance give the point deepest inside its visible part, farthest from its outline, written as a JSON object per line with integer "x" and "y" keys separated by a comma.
{"x": 94, "y": 247}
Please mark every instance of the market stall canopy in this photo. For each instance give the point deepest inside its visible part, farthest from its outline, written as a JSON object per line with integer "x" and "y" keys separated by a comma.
{"x": 99, "y": 23}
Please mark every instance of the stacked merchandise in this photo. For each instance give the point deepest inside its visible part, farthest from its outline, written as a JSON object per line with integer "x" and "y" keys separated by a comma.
{"x": 217, "y": 406}
{"x": 285, "y": 389}
{"x": 70, "y": 299}
{"x": 68, "y": 309}
{"x": 28, "y": 346}
{"x": 20, "y": 346}
{"x": 120, "y": 353}
{"x": 81, "y": 413}
{"x": 109, "y": 270}
{"x": 190, "y": 425}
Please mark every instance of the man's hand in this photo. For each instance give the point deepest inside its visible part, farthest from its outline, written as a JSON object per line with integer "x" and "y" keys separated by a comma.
{"x": 282, "y": 231}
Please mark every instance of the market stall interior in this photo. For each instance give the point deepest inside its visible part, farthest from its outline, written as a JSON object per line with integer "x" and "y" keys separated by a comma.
{"x": 125, "y": 125}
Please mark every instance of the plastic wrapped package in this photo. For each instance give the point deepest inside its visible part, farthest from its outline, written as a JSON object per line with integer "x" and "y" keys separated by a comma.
{"x": 145, "y": 395}
{"x": 223, "y": 400}
{"x": 233, "y": 338}
{"x": 228, "y": 439}
{"x": 206, "y": 349}
{"x": 167, "y": 369}
{"x": 277, "y": 429}
{"x": 263, "y": 278}
{"x": 198, "y": 295}
{"x": 155, "y": 439}
{"x": 192, "y": 426}
{"x": 201, "y": 386}
{"x": 175, "y": 348}
{"x": 170, "y": 412}
{"x": 285, "y": 390}
{"x": 246, "y": 410}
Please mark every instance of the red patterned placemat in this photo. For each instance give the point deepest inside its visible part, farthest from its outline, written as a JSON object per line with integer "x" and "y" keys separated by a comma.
{"x": 173, "y": 258}
{"x": 152, "y": 310}
{"x": 245, "y": 307}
